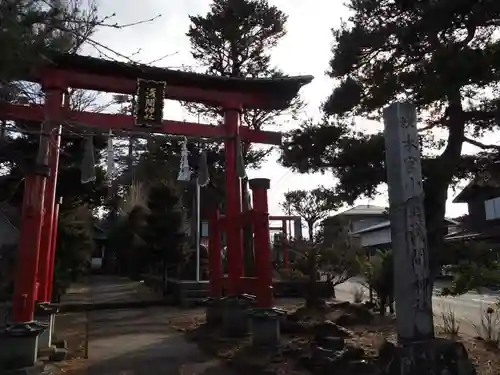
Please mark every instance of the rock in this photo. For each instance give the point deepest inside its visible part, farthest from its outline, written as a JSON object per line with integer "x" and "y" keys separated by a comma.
{"x": 386, "y": 352}
{"x": 331, "y": 343}
{"x": 361, "y": 312}
{"x": 361, "y": 367}
{"x": 354, "y": 353}
{"x": 329, "y": 328}
{"x": 346, "y": 320}
{"x": 436, "y": 356}
{"x": 335, "y": 305}
{"x": 62, "y": 344}
{"x": 291, "y": 350}
{"x": 306, "y": 362}
{"x": 58, "y": 355}
{"x": 369, "y": 305}
{"x": 356, "y": 315}
{"x": 291, "y": 327}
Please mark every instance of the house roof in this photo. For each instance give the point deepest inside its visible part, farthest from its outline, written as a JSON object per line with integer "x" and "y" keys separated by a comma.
{"x": 482, "y": 182}
{"x": 387, "y": 224}
{"x": 364, "y": 210}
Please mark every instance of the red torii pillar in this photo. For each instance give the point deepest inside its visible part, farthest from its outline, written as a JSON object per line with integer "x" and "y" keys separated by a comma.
{"x": 261, "y": 284}
{"x": 53, "y": 246}
{"x": 46, "y": 258}
{"x": 215, "y": 272}
{"x": 233, "y": 200}
{"x": 262, "y": 246}
{"x": 26, "y": 285}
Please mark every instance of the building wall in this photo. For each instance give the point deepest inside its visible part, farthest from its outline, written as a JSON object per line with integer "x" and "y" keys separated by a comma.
{"x": 377, "y": 237}
{"x": 332, "y": 226}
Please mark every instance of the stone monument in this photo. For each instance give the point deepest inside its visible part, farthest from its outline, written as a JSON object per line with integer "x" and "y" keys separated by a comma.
{"x": 418, "y": 351}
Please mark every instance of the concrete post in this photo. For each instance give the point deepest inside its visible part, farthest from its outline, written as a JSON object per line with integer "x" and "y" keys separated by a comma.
{"x": 413, "y": 287}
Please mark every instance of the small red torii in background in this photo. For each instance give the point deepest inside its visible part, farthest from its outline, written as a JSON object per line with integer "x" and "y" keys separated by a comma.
{"x": 286, "y": 231}
{"x": 34, "y": 276}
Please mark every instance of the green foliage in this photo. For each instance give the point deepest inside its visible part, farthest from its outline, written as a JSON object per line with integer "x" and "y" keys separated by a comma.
{"x": 476, "y": 265}
{"x": 235, "y": 39}
{"x": 75, "y": 244}
{"x": 338, "y": 262}
{"x": 165, "y": 235}
{"x": 125, "y": 239}
{"x": 31, "y": 30}
{"x": 149, "y": 233}
{"x": 440, "y": 55}
{"x": 313, "y": 205}
{"x": 378, "y": 270}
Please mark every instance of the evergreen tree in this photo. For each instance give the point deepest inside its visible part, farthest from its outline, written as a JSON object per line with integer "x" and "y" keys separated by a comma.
{"x": 75, "y": 245}
{"x": 235, "y": 39}
{"x": 32, "y": 30}
{"x": 441, "y": 55}
{"x": 164, "y": 235}
{"x": 313, "y": 206}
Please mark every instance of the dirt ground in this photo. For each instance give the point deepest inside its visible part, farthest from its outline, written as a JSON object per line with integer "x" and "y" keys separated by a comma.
{"x": 368, "y": 337}
{"x": 161, "y": 340}
{"x": 138, "y": 341}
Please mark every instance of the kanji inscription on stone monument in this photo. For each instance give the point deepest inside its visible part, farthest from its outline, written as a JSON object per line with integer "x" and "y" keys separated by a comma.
{"x": 413, "y": 287}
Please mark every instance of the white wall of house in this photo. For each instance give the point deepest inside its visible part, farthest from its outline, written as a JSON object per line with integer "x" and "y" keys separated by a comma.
{"x": 376, "y": 237}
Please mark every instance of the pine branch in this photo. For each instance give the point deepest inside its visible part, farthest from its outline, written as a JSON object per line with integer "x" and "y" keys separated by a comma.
{"x": 481, "y": 145}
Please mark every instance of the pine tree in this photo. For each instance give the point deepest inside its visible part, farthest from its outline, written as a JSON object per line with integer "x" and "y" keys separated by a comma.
{"x": 164, "y": 234}
{"x": 235, "y": 39}
{"x": 441, "y": 55}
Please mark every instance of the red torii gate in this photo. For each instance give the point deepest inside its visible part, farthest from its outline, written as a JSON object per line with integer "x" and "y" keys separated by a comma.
{"x": 284, "y": 229}
{"x": 37, "y": 246}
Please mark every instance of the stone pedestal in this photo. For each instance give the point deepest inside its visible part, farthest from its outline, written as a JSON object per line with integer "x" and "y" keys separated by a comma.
{"x": 235, "y": 317}
{"x": 45, "y": 338}
{"x": 213, "y": 311}
{"x": 265, "y": 328}
{"x": 45, "y": 315}
{"x": 437, "y": 356}
{"x": 19, "y": 346}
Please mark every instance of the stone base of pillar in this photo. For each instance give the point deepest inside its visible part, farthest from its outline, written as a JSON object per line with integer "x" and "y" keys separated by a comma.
{"x": 265, "y": 332}
{"x": 265, "y": 327}
{"x": 45, "y": 315}
{"x": 235, "y": 317}
{"x": 437, "y": 356}
{"x": 213, "y": 311}
{"x": 19, "y": 346}
{"x": 45, "y": 338}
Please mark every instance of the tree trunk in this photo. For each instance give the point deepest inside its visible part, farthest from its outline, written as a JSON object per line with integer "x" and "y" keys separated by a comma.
{"x": 439, "y": 179}
{"x": 312, "y": 292}
{"x": 310, "y": 228}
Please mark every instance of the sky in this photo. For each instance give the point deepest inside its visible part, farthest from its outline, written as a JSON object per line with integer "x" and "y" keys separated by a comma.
{"x": 305, "y": 50}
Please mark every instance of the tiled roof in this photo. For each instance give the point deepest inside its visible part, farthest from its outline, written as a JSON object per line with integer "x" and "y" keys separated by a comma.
{"x": 363, "y": 209}
{"x": 482, "y": 180}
